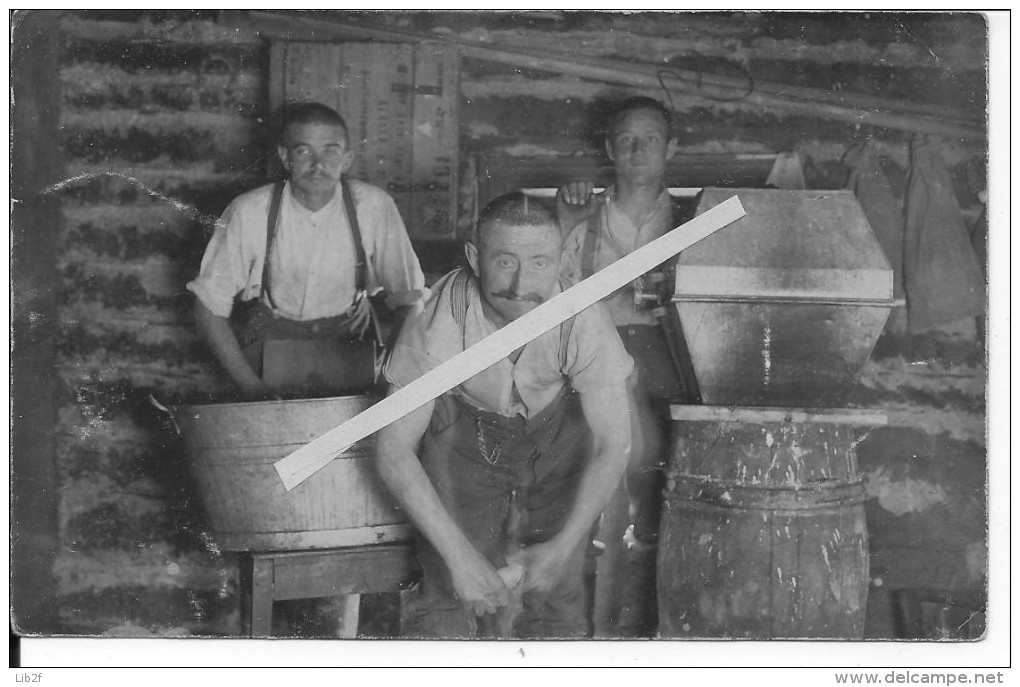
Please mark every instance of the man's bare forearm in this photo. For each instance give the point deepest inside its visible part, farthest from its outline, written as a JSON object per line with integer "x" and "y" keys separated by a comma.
{"x": 598, "y": 482}
{"x": 216, "y": 332}
{"x": 475, "y": 581}
{"x": 402, "y": 472}
{"x": 611, "y": 429}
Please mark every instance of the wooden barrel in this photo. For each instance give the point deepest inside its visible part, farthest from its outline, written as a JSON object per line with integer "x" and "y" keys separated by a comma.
{"x": 232, "y": 448}
{"x": 763, "y": 533}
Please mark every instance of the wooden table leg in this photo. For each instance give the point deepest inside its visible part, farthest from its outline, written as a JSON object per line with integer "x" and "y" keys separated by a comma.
{"x": 404, "y": 597}
{"x": 346, "y": 572}
{"x": 244, "y": 563}
{"x": 262, "y": 597}
{"x": 349, "y": 614}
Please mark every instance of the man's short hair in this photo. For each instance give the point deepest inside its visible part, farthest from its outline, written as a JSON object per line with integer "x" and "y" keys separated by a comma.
{"x": 312, "y": 113}
{"x": 517, "y": 209}
{"x": 639, "y": 102}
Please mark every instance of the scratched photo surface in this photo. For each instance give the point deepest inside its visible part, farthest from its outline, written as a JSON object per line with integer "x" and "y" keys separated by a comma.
{"x": 844, "y": 372}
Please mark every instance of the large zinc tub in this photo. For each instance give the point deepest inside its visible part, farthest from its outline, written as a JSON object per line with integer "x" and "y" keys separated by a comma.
{"x": 232, "y": 447}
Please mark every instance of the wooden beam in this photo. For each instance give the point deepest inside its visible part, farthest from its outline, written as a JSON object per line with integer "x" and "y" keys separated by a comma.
{"x": 499, "y": 174}
{"x": 838, "y": 416}
{"x": 310, "y": 458}
{"x": 857, "y": 109}
{"x": 640, "y": 76}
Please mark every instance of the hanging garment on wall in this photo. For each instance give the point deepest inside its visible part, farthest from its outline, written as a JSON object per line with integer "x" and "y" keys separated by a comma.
{"x": 943, "y": 279}
{"x": 786, "y": 172}
{"x": 881, "y": 206}
{"x": 979, "y": 239}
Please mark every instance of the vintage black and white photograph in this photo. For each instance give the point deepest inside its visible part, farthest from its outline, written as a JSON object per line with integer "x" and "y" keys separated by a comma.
{"x": 501, "y": 325}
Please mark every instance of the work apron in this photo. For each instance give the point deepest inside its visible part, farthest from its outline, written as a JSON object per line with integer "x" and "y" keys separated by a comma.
{"x": 313, "y": 358}
{"x": 506, "y": 482}
{"x": 307, "y": 359}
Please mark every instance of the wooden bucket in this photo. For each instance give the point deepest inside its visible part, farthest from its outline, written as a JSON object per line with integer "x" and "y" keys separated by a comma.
{"x": 232, "y": 448}
{"x": 763, "y": 532}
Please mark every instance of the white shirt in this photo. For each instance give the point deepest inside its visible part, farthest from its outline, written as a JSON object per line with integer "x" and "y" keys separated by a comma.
{"x": 617, "y": 237}
{"x": 312, "y": 271}
{"x": 595, "y": 357}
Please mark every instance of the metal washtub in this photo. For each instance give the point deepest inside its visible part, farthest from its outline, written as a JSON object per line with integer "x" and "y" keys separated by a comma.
{"x": 231, "y": 448}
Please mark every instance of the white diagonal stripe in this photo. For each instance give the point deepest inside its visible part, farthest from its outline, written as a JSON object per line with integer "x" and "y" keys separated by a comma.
{"x": 307, "y": 460}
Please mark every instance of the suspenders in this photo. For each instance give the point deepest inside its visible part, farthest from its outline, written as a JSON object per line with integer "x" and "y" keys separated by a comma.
{"x": 359, "y": 249}
{"x": 360, "y": 267}
{"x": 591, "y": 236}
{"x": 669, "y": 320}
{"x": 273, "y": 220}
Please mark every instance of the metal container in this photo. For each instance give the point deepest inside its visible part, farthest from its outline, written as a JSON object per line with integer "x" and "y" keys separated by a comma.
{"x": 232, "y": 447}
{"x": 783, "y": 306}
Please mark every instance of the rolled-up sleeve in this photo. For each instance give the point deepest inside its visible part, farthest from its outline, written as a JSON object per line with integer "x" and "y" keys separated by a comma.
{"x": 395, "y": 265}
{"x": 595, "y": 355}
{"x": 429, "y": 337}
{"x": 409, "y": 359}
{"x": 224, "y": 269}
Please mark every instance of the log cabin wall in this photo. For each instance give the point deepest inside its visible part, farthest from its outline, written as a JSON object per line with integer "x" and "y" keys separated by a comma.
{"x": 159, "y": 129}
{"x": 161, "y": 123}
{"x": 520, "y": 112}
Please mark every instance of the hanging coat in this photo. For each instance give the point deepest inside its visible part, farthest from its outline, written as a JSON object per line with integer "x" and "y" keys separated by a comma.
{"x": 786, "y": 172}
{"x": 883, "y": 210}
{"x": 943, "y": 279}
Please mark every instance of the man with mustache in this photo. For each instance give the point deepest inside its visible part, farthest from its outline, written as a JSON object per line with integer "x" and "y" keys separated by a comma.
{"x": 632, "y": 212}
{"x": 512, "y": 467}
{"x": 284, "y": 286}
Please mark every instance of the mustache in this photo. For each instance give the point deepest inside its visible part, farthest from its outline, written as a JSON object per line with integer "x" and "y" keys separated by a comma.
{"x": 511, "y": 296}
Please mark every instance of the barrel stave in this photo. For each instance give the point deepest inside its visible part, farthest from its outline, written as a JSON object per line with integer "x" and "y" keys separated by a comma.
{"x": 763, "y": 533}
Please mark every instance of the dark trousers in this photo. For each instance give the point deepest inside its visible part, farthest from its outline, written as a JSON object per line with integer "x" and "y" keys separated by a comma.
{"x": 507, "y": 482}
{"x": 625, "y": 601}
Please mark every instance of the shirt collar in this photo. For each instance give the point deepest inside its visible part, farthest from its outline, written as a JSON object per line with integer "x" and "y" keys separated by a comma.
{"x": 334, "y": 205}
{"x": 628, "y": 236}
{"x": 508, "y": 396}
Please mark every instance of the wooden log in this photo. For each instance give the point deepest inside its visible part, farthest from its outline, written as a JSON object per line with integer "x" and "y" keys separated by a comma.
{"x": 307, "y": 460}
{"x": 633, "y": 75}
{"x": 866, "y": 110}
{"x": 499, "y": 174}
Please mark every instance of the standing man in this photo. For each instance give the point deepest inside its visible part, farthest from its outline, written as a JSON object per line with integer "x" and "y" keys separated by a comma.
{"x": 515, "y": 464}
{"x": 634, "y": 211}
{"x": 283, "y": 291}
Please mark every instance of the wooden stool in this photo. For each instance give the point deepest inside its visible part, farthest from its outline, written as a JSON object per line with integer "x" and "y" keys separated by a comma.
{"x": 268, "y": 576}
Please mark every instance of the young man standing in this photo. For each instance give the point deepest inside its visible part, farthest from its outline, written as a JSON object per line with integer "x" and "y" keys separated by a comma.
{"x": 514, "y": 465}
{"x": 299, "y": 261}
{"x": 634, "y": 211}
